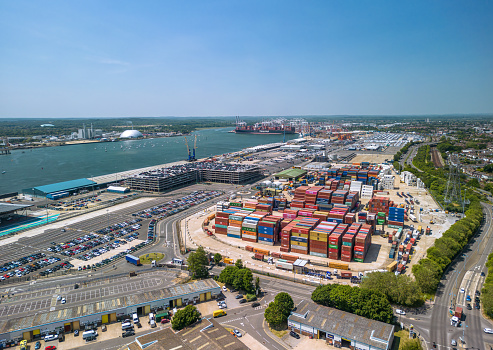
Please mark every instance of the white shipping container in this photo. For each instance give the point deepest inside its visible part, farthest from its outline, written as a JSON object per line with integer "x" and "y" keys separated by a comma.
{"x": 284, "y": 265}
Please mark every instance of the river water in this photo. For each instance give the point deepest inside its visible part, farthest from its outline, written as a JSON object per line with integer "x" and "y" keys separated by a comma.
{"x": 36, "y": 167}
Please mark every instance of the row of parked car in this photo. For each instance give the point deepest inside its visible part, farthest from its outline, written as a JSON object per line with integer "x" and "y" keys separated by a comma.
{"x": 23, "y": 271}
{"x": 125, "y": 225}
{"x": 114, "y": 257}
{"x": 177, "y": 205}
{"x": 20, "y": 262}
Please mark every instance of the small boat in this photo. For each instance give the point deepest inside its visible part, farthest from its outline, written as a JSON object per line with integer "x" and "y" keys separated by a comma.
{"x": 3, "y": 172}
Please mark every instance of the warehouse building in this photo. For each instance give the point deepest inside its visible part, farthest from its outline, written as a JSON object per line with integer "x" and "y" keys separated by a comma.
{"x": 291, "y": 174}
{"x": 339, "y": 328}
{"x": 33, "y": 327}
{"x": 65, "y": 188}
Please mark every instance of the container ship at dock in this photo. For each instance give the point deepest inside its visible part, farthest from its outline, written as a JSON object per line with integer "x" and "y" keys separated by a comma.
{"x": 271, "y": 127}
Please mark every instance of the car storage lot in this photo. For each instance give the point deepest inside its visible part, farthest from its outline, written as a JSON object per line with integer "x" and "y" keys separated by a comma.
{"x": 91, "y": 240}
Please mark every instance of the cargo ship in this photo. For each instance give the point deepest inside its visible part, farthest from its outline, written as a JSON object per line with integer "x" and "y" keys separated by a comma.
{"x": 271, "y": 127}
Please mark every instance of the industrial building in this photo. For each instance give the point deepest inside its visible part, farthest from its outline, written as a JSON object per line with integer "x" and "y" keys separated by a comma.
{"x": 339, "y": 328}
{"x": 159, "y": 180}
{"x": 292, "y": 174}
{"x": 107, "y": 311}
{"x": 7, "y": 209}
{"x": 64, "y": 188}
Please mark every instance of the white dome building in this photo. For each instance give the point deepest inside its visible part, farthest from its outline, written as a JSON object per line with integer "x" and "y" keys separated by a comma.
{"x": 131, "y": 134}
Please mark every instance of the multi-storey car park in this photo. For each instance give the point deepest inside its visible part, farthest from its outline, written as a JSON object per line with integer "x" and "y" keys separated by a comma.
{"x": 160, "y": 180}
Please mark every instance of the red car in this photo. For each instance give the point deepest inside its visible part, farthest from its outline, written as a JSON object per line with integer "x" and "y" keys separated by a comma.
{"x": 51, "y": 347}
{"x": 164, "y": 320}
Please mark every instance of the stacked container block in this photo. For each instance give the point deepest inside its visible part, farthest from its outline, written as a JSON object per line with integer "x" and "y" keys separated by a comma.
{"x": 396, "y": 217}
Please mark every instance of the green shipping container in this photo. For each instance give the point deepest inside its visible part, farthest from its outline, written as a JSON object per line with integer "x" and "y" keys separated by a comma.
{"x": 347, "y": 243}
{"x": 249, "y": 229}
{"x": 333, "y": 246}
{"x": 380, "y": 222}
{"x": 222, "y": 226}
{"x": 358, "y": 260}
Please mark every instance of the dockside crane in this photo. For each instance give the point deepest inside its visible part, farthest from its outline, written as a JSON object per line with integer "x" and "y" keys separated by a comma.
{"x": 194, "y": 148}
{"x": 188, "y": 150}
{"x": 191, "y": 156}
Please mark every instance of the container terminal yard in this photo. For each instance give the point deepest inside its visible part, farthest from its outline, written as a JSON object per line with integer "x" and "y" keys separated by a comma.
{"x": 302, "y": 211}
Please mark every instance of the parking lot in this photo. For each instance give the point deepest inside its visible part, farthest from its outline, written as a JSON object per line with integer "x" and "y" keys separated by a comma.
{"x": 93, "y": 241}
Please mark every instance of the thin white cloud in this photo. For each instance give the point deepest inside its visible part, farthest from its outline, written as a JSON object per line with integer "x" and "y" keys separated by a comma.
{"x": 114, "y": 62}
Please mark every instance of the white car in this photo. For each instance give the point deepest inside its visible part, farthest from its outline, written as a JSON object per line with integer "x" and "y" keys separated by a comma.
{"x": 64, "y": 301}
{"x": 237, "y": 333}
{"x": 51, "y": 337}
{"x": 462, "y": 290}
{"x": 400, "y": 312}
{"x": 488, "y": 330}
{"x": 225, "y": 289}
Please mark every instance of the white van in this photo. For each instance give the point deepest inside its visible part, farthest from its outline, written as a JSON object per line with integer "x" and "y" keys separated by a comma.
{"x": 89, "y": 335}
{"x": 152, "y": 323}
{"x": 151, "y": 317}
{"x": 127, "y": 325}
{"x": 135, "y": 318}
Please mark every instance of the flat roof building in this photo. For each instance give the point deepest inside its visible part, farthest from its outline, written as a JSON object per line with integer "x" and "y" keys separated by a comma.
{"x": 108, "y": 310}
{"x": 71, "y": 187}
{"x": 340, "y": 328}
{"x": 290, "y": 174}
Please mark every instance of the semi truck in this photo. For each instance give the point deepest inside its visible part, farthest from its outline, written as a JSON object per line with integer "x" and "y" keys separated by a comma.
{"x": 132, "y": 259}
{"x": 412, "y": 218}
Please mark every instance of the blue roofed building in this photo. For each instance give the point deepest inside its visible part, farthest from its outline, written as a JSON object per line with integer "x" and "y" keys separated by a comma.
{"x": 62, "y": 189}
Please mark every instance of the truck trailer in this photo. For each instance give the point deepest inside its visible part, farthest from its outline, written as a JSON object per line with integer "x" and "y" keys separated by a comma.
{"x": 132, "y": 259}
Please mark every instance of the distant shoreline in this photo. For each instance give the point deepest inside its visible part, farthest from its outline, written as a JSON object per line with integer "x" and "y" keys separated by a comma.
{"x": 84, "y": 142}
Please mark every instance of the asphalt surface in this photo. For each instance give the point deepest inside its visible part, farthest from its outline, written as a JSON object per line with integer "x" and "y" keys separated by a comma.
{"x": 433, "y": 323}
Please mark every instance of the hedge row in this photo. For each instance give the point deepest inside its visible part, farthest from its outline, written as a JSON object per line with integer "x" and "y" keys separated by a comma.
{"x": 487, "y": 291}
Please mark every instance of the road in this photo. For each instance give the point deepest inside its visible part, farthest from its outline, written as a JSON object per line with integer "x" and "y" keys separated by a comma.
{"x": 464, "y": 272}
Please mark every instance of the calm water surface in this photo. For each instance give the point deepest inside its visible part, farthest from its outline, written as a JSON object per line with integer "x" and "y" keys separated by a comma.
{"x": 42, "y": 166}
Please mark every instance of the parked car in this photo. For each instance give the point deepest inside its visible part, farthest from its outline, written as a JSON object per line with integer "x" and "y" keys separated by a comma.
{"x": 256, "y": 304}
{"x": 37, "y": 346}
{"x": 242, "y": 301}
{"x": 164, "y": 320}
{"x": 76, "y": 333}
{"x": 294, "y": 334}
{"x": 239, "y": 296}
{"x": 128, "y": 333}
{"x": 400, "y": 312}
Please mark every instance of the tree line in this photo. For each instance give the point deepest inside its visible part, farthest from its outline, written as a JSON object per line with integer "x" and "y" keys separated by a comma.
{"x": 428, "y": 271}
{"x": 369, "y": 303}
{"x": 487, "y": 291}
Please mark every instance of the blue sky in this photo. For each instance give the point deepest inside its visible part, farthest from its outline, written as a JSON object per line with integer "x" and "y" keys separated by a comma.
{"x": 224, "y": 58}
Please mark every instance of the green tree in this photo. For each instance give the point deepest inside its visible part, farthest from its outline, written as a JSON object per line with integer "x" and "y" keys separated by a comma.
{"x": 197, "y": 263}
{"x": 274, "y": 315}
{"x": 217, "y": 258}
{"x": 285, "y": 302}
{"x": 247, "y": 281}
{"x": 321, "y": 295}
{"x": 228, "y": 275}
{"x": 185, "y": 317}
{"x": 488, "y": 168}
{"x": 473, "y": 183}
{"x": 239, "y": 264}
